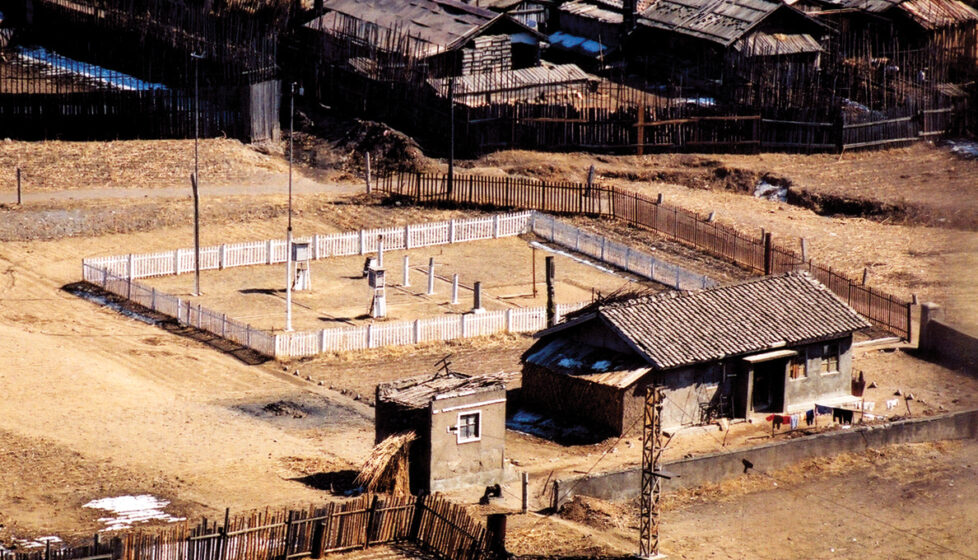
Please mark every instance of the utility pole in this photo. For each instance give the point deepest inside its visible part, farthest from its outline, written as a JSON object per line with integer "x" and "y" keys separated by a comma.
{"x": 288, "y": 231}
{"x": 195, "y": 178}
{"x": 451, "y": 135}
{"x": 648, "y": 539}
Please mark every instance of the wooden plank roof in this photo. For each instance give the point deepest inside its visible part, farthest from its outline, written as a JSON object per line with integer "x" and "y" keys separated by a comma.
{"x": 719, "y": 21}
{"x": 929, "y": 14}
{"x": 771, "y": 44}
{"x": 417, "y": 392}
{"x": 594, "y": 364}
{"x": 446, "y": 24}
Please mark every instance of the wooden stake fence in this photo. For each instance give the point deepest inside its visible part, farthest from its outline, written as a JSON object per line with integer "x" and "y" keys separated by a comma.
{"x": 750, "y": 252}
{"x": 432, "y": 522}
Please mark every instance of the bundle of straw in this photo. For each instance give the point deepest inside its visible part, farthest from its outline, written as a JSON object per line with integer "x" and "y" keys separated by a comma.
{"x": 386, "y": 470}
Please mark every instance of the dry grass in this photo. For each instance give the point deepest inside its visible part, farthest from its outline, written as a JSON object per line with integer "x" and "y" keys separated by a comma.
{"x": 386, "y": 469}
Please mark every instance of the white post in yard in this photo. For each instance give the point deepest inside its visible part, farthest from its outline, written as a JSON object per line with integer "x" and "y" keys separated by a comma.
{"x": 451, "y": 231}
{"x": 454, "y": 289}
{"x": 417, "y": 331}
{"x": 407, "y": 236}
{"x": 431, "y": 276}
{"x": 509, "y": 320}
{"x": 407, "y": 273}
{"x": 223, "y": 257}
{"x": 495, "y": 226}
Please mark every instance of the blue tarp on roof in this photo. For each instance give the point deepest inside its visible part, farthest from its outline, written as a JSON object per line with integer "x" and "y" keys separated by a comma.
{"x": 579, "y": 45}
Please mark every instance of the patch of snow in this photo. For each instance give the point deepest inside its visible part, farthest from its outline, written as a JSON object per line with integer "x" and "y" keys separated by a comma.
{"x": 601, "y": 365}
{"x": 129, "y": 510}
{"x": 39, "y": 542}
{"x": 964, "y": 148}
{"x": 771, "y": 192}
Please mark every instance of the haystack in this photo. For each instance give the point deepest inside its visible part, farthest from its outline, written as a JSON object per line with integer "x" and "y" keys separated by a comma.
{"x": 386, "y": 470}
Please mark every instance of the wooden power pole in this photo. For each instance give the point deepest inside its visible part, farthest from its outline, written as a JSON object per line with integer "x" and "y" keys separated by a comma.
{"x": 648, "y": 540}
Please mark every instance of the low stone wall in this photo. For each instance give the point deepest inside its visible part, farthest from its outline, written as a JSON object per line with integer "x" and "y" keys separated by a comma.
{"x": 625, "y": 485}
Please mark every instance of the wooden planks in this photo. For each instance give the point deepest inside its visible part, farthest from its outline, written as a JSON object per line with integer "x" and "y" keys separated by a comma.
{"x": 433, "y": 522}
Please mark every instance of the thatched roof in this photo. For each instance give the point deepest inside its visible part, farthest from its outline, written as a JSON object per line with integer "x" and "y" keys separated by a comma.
{"x": 386, "y": 469}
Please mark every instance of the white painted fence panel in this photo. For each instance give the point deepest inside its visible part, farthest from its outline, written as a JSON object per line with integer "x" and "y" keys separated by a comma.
{"x": 474, "y": 230}
{"x": 427, "y": 235}
{"x": 392, "y": 334}
{"x": 245, "y": 254}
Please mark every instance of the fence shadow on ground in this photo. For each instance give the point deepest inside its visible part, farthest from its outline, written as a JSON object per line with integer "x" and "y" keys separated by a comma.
{"x": 104, "y": 298}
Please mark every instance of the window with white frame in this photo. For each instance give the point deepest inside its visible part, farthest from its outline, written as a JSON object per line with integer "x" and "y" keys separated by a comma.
{"x": 469, "y": 426}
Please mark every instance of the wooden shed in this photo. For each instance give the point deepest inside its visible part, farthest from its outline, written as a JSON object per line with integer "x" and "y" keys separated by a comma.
{"x": 460, "y": 423}
{"x": 703, "y": 39}
{"x": 773, "y": 344}
{"x": 448, "y": 37}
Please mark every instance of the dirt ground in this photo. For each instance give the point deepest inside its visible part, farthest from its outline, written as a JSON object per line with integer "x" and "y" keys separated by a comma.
{"x": 340, "y": 296}
{"x": 909, "y": 501}
{"x": 97, "y": 404}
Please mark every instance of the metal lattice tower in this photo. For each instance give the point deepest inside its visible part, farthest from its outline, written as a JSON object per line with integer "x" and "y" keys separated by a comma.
{"x": 648, "y": 541}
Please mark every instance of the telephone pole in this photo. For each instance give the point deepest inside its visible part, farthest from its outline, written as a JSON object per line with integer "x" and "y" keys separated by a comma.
{"x": 648, "y": 539}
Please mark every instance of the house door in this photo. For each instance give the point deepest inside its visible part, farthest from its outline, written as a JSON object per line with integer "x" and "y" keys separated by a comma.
{"x": 768, "y": 393}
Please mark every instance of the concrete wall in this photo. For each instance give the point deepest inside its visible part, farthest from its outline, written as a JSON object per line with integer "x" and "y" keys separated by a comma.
{"x": 814, "y": 385}
{"x": 625, "y": 485}
{"x": 480, "y": 462}
{"x": 944, "y": 342}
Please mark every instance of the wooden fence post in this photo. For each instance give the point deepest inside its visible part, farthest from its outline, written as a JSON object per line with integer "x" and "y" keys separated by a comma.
{"x": 767, "y": 254}
{"x": 20, "y": 199}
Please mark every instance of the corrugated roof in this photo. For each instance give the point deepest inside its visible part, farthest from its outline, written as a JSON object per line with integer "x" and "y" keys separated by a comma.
{"x": 417, "y": 392}
{"x": 771, "y": 44}
{"x": 720, "y": 21}
{"x": 935, "y": 14}
{"x": 445, "y": 24}
{"x": 680, "y": 328}
{"x": 509, "y": 85}
{"x": 592, "y": 11}
{"x": 598, "y": 365}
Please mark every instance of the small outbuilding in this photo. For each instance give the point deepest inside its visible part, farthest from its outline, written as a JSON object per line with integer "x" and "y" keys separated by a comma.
{"x": 773, "y": 344}
{"x": 460, "y": 424}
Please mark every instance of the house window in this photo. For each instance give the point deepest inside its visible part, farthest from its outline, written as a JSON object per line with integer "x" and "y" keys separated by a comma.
{"x": 797, "y": 368}
{"x": 469, "y": 427}
{"x": 830, "y": 358}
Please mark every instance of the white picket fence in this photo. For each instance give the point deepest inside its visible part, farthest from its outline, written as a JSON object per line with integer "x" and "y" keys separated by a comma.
{"x": 272, "y": 251}
{"x": 118, "y": 275}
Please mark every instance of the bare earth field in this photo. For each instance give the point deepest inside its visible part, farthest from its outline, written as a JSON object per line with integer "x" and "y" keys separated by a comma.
{"x": 341, "y": 295}
{"x": 97, "y": 404}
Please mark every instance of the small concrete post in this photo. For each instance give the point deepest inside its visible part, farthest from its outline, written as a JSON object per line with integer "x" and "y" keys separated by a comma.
{"x": 431, "y": 276}
{"x": 454, "y": 289}
{"x": 804, "y": 249}
{"x": 407, "y": 273}
{"x": 865, "y": 276}
{"x": 380, "y": 251}
{"x": 495, "y": 226}
{"x": 659, "y": 199}
{"x": 451, "y": 231}
{"x": 712, "y": 217}
{"x": 222, "y": 256}
{"x": 363, "y": 246}
{"x": 509, "y": 320}
{"x": 477, "y": 298}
